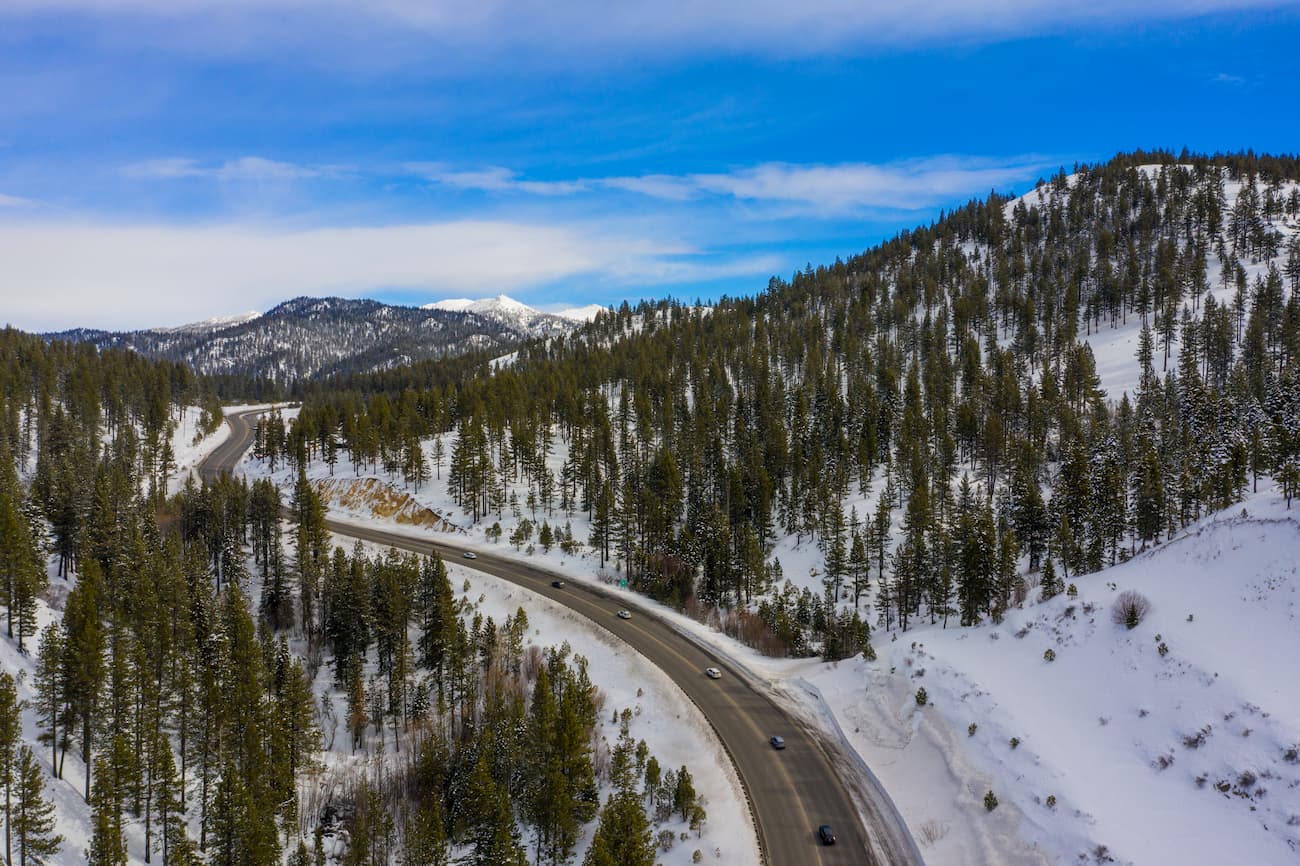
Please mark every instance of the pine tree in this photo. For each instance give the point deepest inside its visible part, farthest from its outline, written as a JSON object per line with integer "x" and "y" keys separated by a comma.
{"x": 1050, "y": 585}
{"x": 11, "y": 730}
{"x": 107, "y": 842}
{"x": 425, "y": 842}
{"x": 84, "y": 659}
{"x": 33, "y": 818}
{"x": 50, "y": 690}
{"x": 22, "y": 570}
{"x": 623, "y": 836}
{"x": 684, "y": 794}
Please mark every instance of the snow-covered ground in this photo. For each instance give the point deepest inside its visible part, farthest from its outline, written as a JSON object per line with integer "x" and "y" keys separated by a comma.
{"x": 1182, "y": 756}
{"x": 1114, "y": 346}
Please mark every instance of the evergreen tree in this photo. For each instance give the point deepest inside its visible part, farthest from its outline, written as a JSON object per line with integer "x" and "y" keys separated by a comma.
{"x": 11, "y": 729}
{"x": 623, "y": 836}
{"x": 32, "y": 818}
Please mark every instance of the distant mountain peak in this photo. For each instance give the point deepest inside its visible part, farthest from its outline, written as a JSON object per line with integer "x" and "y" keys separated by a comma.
{"x": 307, "y": 338}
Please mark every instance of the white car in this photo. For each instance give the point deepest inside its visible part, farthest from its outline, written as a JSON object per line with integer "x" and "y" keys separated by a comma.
{"x": 623, "y": 614}
{"x": 713, "y": 673}
{"x": 469, "y": 554}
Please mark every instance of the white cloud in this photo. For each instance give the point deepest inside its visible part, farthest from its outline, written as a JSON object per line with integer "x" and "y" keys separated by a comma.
{"x": 14, "y": 201}
{"x": 832, "y": 189}
{"x": 492, "y": 179}
{"x": 61, "y": 275}
{"x": 906, "y": 185}
{"x": 245, "y": 168}
{"x": 607, "y": 29}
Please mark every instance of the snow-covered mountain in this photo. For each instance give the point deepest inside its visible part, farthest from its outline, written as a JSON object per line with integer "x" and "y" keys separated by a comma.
{"x": 308, "y": 338}
{"x": 517, "y": 316}
{"x": 206, "y": 326}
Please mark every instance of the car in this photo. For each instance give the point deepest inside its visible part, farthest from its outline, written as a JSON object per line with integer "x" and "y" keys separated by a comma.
{"x": 623, "y": 614}
{"x": 713, "y": 673}
{"x": 558, "y": 584}
{"x": 469, "y": 554}
{"x": 778, "y": 743}
{"x": 827, "y": 835}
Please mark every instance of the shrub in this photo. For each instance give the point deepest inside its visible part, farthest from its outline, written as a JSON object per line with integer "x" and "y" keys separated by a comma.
{"x": 970, "y": 731}
{"x": 1163, "y": 649}
{"x": 698, "y": 856}
{"x": 921, "y": 697}
{"x": 1051, "y": 801}
{"x": 990, "y": 801}
{"x": 1072, "y": 591}
{"x": 1049, "y": 656}
{"x": 932, "y": 831}
{"x": 1130, "y": 608}
{"x": 1015, "y": 741}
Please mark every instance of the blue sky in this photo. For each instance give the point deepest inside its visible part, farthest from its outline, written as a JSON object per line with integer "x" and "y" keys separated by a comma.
{"x": 163, "y": 161}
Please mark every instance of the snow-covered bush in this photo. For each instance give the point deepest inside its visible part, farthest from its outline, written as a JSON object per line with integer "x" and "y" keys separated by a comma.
{"x": 1130, "y": 608}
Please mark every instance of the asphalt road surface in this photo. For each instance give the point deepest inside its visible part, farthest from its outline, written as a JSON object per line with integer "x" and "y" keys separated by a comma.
{"x": 791, "y": 792}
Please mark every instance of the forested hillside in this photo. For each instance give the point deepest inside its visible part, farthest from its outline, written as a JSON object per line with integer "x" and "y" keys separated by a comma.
{"x": 308, "y": 338}
{"x": 945, "y": 382}
{"x": 176, "y": 671}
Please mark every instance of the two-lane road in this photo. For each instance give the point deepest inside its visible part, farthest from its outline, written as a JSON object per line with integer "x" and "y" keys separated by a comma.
{"x": 791, "y": 792}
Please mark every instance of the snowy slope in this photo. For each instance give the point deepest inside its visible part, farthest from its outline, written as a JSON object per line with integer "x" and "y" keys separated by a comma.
{"x": 582, "y": 314}
{"x": 1114, "y": 345}
{"x": 520, "y": 318}
{"x": 208, "y": 325}
{"x": 1186, "y": 757}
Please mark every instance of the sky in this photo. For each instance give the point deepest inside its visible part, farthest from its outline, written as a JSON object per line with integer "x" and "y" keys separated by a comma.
{"x": 165, "y": 161}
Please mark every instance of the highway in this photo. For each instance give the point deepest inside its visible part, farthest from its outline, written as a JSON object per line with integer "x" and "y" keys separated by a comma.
{"x": 790, "y": 792}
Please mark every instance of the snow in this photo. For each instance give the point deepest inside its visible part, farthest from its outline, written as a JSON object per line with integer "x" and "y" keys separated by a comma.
{"x": 215, "y": 323}
{"x": 1109, "y": 727}
{"x": 582, "y": 314}
{"x": 1114, "y": 347}
{"x": 499, "y": 304}
{"x": 189, "y": 449}
{"x": 1093, "y": 725}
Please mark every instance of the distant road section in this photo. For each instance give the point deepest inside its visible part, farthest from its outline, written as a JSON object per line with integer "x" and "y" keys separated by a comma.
{"x": 791, "y": 792}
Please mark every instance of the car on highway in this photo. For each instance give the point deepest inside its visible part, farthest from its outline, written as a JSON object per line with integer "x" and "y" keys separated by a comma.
{"x": 558, "y": 584}
{"x": 623, "y": 614}
{"x": 778, "y": 743}
{"x": 713, "y": 673}
{"x": 825, "y": 834}
{"x": 469, "y": 554}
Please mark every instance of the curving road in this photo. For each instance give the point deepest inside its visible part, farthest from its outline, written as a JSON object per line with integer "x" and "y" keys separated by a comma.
{"x": 790, "y": 792}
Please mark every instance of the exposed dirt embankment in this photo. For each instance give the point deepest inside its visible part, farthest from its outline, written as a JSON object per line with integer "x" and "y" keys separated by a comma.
{"x": 370, "y": 495}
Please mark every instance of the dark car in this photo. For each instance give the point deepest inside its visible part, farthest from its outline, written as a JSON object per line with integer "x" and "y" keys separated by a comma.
{"x": 825, "y": 833}
{"x": 558, "y": 584}
{"x": 777, "y": 742}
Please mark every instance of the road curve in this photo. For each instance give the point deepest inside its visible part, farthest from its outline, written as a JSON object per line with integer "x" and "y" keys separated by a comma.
{"x": 790, "y": 792}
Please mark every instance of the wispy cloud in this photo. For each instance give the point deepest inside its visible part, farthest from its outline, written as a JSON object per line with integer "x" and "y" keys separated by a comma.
{"x": 604, "y": 29}
{"x": 492, "y": 179}
{"x": 245, "y": 168}
{"x": 830, "y": 188}
{"x": 68, "y": 274}
{"x": 906, "y": 185}
{"x": 14, "y": 201}
{"x": 1228, "y": 78}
